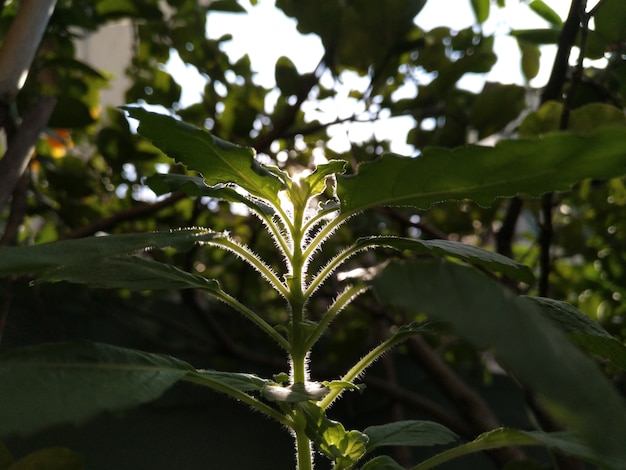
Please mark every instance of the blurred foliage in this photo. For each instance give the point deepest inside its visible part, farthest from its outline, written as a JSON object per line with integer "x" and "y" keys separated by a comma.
{"x": 86, "y": 174}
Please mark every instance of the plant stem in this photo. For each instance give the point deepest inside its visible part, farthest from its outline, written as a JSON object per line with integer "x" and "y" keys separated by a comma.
{"x": 200, "y": 379}
{"x": 252, "y": 259}
{"x": 303, "y": 449}
{"x": 360, "y": 366}
{"x": 340, "y": 303}
{"x": 252, "y": 316}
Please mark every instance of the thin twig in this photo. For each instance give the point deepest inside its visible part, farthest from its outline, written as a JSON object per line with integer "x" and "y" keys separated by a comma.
{"x": 132, "y": 213}
{"x": 16, "y": 158}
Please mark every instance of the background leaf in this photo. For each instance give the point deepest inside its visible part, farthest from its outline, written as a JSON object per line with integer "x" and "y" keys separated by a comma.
{"x": 471, "y": 254}
{"x": 532, "y": 166}
{"x": 72, "y": 382}
{"x": 540, "y": 357}
{"x": 502, "y": 437}
{"x": 408, "y": 433}
{"x": 547, "y": 13}
{"x": 582, "y": 330}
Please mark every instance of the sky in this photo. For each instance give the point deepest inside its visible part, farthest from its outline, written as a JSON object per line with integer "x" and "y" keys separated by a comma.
{"x": 265, "y": 34}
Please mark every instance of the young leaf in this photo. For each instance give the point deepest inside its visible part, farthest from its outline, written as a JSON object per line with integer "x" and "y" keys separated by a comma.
{"x": 218, "y": 161}
{"x": 562, "y": 442}
{"x": 468, "y": 253}
{"x": 582, "y": 330}
{"x": 408, "y": 433}
{"x": 72, "y": 382}
{"x": 85, "y": 251}
{"x": 532, "y": 166}
{"x": 344, "y": 448}
{"x": 535, "y": 351}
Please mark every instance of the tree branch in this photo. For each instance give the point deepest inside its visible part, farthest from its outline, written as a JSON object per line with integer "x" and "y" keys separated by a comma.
{"x": 467, "y": 400}
{"x": 263, "y": 141}
{"x": 21, "y": 146}
{"x": 19, "y": 47}
{"x": 132, "y": 213}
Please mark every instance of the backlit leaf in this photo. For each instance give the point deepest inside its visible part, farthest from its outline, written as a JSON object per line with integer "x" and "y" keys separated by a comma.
{"x": 502, "y": 437}
{"x": 547, "y": 13}
{"x": 531, "y": 166}
{"x": 468, "y": 253}
{"x": 582, "y": 330}
{"x": 218, "y": 161}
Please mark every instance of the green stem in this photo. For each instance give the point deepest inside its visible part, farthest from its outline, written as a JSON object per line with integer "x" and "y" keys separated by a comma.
{"x": 340, "y": 303}
{"x": 251, "y": 258}
{"x": 303, "y": 449}
{"x": 325, "y": 231}
{"x": 360, "y": 366}
{"x": 334, "y": 263}
{"x": 476, "y": 446}
{"x": 253, "y": 317}
{"x": 200, "y": 379}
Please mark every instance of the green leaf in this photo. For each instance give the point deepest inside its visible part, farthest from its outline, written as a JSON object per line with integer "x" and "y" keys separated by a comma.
{"x": 481, "y": 10}
{"x": 408, "y": 433}
{"x": 287, "y": 77}
{"x": 218, "y": 161}
{"x": 194, "y": 186}
{"x": 536, "y": 352}
{"x": 587, "y": 118}
{"x": 47, "y": 385}
{"x": 295, "y": 393}
{"x": 582, "y": 330}
{"x": 495, "y": 107}
{"x": 343, "y": 447}
{"x": 50, "y": 458}
{"x": 594, "y": 115}
{"x": 471, "y": 254}
{"x": 85, "y": 251}
{"x": 230, "y": 6}
{"x": 531, "y": 55}
{"x": 317, "y": 179}
{"x": 532, "y": 166}
{"x": 537, "y": 36}
{"x": 547, "y": 13}
{"x": 502, "y": 437}
{"x": 382, "y": 462}
{"x": 240, "y": 381}
{"x": 131, "y": 273}
{"x": 610, "y": 21}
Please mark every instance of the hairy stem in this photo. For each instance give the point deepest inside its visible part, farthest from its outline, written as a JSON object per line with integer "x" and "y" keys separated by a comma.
{"x": 252, "y": 316}
{"x": 200, "y": 379}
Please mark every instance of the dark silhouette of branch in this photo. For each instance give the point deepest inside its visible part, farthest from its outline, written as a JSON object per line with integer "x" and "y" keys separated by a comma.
{"x": 469, "y": 403}
{"x": 16, "y": 213}
{"x": 262, "y": 142}
{"x": 433, "y": 409}
{"x": 132, "y": 213}
{"x": 19, "y": 47}
{"x": 20, "y": 147}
